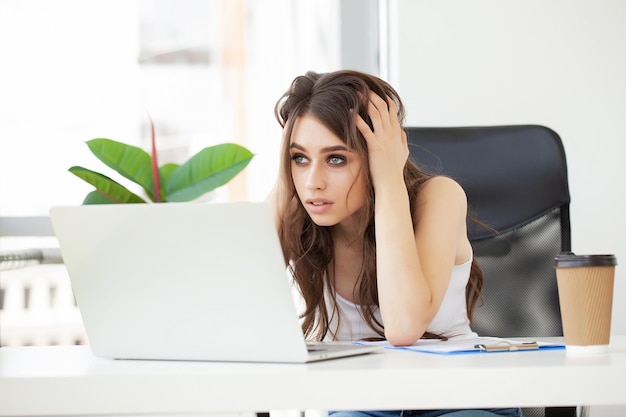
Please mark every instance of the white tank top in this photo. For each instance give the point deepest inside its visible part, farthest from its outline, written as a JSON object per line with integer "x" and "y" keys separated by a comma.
{"x": 451, "y": 319}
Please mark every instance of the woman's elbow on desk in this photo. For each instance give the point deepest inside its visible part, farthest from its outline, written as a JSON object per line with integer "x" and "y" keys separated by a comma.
{"x": 404, "y": 337}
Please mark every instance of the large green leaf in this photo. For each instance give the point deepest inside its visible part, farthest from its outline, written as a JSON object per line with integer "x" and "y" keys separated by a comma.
{"x": 164, "y": 173}
{"x": 96, "y": 197}
{"x": 166, "y": 170}
{"x": 210, "y": 168}
{"x": 112, "y": 190}
{"x": 129, "y": 161}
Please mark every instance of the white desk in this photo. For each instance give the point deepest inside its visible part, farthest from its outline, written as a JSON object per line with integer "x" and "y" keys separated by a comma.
{"x": 38, "y": 381}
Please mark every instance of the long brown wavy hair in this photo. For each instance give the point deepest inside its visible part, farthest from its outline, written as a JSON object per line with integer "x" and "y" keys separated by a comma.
{"x": 307, "y": 247}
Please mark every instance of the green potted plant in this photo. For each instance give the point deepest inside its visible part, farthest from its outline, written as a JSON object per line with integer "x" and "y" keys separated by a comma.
{"x": 208, "y": 169}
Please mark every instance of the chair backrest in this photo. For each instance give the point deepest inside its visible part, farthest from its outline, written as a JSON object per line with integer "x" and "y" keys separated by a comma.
{"x": 516, "y": 182}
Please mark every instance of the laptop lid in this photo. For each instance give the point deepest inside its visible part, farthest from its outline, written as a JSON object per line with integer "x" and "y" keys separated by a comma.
{"x": 182, "y": 281}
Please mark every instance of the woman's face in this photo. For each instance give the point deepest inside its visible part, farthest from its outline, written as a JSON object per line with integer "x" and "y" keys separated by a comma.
{"x": 328, "y": 177}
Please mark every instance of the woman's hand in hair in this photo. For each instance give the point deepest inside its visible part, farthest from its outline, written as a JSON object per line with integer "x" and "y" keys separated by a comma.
{"x": 386, "y": 142}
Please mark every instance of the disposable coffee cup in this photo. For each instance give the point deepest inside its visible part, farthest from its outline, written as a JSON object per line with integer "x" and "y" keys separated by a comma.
{"x": 585, "y": 285}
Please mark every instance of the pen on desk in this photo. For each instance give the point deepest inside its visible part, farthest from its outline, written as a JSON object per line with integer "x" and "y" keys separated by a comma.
{"x": 505, "y": 346}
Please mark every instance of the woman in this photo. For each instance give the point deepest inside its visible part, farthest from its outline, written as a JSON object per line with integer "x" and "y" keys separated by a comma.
{"x": 376, "y": 248}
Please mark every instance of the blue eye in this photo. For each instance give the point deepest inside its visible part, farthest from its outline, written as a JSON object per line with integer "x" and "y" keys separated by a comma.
{"x": 299, "y": 159}
{"x": 336, "y": 160}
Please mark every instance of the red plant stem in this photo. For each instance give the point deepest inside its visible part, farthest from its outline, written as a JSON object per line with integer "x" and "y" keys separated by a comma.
{"x": 155, "y": 166}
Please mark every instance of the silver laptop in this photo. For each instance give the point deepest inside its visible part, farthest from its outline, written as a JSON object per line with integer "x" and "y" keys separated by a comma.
{"x": 184, "y": 281}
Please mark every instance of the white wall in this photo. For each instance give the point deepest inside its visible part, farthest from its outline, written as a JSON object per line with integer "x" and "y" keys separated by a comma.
{"x": 560, "y": 63}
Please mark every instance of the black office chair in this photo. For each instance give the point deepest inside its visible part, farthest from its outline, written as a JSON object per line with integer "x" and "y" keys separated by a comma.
{"x": 516, "y": 182}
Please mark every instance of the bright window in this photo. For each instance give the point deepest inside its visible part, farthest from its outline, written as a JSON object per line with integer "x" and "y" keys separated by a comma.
{"x": 207, "y": 72}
